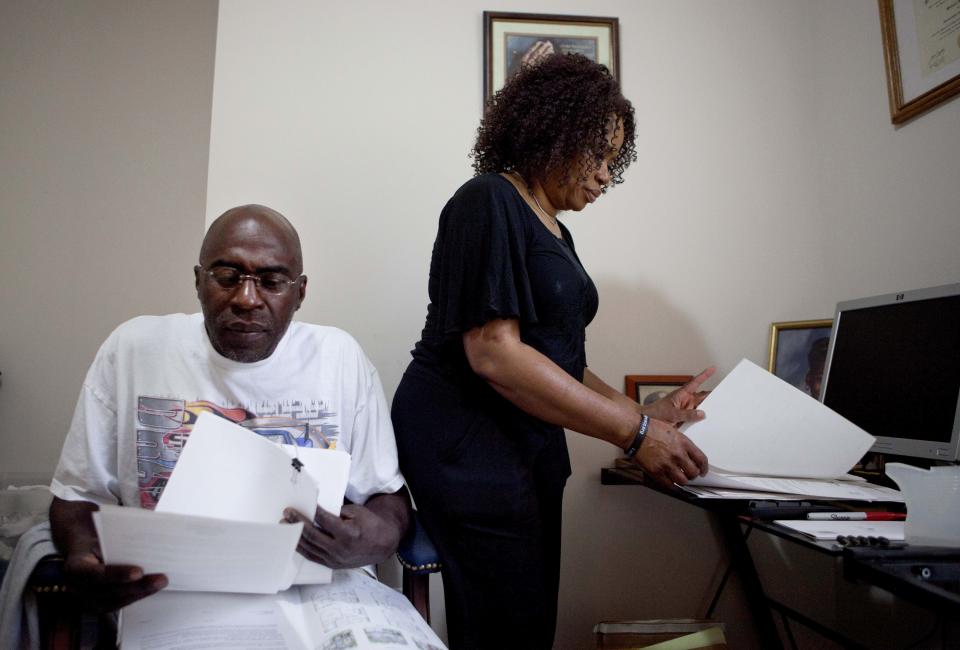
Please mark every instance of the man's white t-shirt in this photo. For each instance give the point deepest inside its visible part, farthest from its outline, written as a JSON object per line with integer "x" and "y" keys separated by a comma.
{"x": 155, "y": 374}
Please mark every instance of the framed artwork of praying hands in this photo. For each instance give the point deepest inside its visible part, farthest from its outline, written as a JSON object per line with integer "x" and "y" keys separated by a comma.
{"x": 511, "y": 40}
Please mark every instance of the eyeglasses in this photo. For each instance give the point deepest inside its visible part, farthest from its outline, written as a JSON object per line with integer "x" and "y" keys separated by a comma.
{"x": 229, "y": 278}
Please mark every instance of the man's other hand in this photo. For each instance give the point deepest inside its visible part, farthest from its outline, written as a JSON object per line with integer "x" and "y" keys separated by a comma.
{"x": 361, "y": 535}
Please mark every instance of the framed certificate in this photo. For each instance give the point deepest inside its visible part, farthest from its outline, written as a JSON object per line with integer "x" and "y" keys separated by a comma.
{"x": 921, "y": 47}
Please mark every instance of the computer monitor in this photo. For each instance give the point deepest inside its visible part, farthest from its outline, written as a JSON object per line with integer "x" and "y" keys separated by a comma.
{"x": 893, "y": 369}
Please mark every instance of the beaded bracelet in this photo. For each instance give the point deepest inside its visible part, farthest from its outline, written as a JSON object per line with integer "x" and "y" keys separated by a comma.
{"x": 641, "y": 434}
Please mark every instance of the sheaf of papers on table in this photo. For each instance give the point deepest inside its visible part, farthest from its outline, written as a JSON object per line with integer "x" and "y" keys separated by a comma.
{"x": 716, "y": 485}
{"x": 758, "y": 425}
{"x": 824, "y": 529}
{"x": 225, "y": 499}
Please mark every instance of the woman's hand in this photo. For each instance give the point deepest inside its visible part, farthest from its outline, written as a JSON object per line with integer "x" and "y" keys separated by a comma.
{"x": 681, "y": 405}
{"x": 669, "y": 457}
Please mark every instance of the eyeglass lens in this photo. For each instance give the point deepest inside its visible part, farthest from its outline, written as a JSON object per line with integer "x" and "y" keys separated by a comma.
{"x": 230, "y": 278}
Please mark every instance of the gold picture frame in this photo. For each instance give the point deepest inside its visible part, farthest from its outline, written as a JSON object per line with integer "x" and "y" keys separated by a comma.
{"x": 798, "y": 352}
{"x": 922, "y": 55}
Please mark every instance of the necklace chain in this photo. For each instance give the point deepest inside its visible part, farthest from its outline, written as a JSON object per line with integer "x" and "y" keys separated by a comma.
{"x": 552, "y": 220}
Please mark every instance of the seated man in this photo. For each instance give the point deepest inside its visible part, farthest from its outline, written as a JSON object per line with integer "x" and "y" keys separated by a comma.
{"x": 244, "y": 360}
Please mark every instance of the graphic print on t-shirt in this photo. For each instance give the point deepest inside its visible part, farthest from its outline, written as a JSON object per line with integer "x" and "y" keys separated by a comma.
{"x": 164, "y": 425}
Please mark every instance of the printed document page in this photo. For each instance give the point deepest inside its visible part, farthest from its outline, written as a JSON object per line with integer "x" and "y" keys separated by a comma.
{"x": 759, "y": 425}
{"x": 354, "y": 611}
{"x": 200, "y": 553}
{"x": 173, "y": 620}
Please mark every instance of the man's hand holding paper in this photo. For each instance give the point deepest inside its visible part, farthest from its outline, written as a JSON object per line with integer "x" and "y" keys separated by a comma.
{"x": 361, "y": 535}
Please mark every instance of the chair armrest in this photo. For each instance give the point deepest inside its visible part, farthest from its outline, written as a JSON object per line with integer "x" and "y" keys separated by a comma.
{"x": 416, "y": 552}
{"x": 47, "y": 576}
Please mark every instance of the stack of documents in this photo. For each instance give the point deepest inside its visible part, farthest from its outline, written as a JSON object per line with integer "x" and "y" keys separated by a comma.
{"x": 217, "y": 524}
{"x": 766, "y": 439}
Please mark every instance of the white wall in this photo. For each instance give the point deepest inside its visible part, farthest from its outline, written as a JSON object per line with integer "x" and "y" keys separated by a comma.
{"x": 104, "y": 134}
{"x": 770, "y": 185}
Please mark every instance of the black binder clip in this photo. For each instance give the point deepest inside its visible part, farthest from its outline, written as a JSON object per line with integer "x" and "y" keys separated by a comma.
{"x": 297, "y": 466}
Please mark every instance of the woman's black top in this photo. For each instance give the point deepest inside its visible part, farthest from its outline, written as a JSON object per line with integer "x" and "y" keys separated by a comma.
{"x": 493, "y": 258}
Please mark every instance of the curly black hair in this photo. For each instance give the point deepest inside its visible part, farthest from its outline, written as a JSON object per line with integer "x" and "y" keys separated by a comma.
{"x": 551, "y": 116}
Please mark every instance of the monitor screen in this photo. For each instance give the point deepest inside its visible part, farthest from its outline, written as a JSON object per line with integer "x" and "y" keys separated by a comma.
{"x": 893, "y": 369}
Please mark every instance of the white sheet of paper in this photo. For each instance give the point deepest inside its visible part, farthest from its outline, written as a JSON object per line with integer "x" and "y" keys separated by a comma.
{"x": 200, "y": 553}
{"x": 759, "y": 425}
{"x": 229, "y": 472}
{"x": 170, "y": 620}
{"x": 892, "y": 530}
{"x": 329, "y": 470}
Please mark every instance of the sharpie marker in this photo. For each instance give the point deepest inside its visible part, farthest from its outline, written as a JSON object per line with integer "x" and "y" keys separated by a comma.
{"x": 857, "y": 516}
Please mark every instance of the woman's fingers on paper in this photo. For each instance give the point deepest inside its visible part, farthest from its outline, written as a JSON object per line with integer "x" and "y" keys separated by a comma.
{"x": 693, "y": 385}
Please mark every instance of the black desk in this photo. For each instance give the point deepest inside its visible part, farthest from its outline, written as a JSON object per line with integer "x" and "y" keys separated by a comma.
{"x": 896, "y": 570}
{"x": 928, "y": 576}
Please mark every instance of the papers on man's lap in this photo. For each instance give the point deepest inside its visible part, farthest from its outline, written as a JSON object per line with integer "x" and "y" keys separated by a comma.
{"x": 217, "y": 527}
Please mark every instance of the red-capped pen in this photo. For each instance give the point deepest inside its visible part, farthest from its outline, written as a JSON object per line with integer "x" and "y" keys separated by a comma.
{"x": 857, "y": 516}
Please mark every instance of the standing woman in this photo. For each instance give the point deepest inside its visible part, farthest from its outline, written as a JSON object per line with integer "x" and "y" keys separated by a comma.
{"x": 500, "y": 369}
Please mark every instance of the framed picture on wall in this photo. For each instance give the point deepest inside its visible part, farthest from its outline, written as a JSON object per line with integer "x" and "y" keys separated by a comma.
{"x": 921, "y": 48}
{"x": 512, "y": 39}
{"x": 798, "y": 352}
{"x": 647, "y": 389}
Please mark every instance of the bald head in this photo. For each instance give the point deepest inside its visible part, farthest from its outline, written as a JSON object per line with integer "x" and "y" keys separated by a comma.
{"x": 250, "y": 221}
{"x": 249, "y": 281}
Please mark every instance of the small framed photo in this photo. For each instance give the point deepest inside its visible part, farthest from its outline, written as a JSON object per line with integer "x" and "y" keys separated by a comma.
{"x": 647, "y": 389}
{"x": 798, "y": 352}
{"x": 512, "y": 39}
